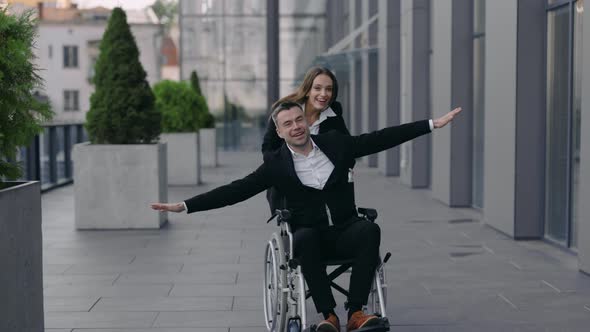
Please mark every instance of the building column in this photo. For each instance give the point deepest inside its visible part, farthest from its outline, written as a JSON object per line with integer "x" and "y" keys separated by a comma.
{"x": 415, "y": 31}
{"x": 389, "y": 79}
{"x": 453, "y": 87}
{"x": 369, "y": 76}
{"x": 355, "y": 86}
{"x": 272, "y": 52}
{"x": 529, "y": 195}
{"x": 584, "y": 189}
{"x": 441, "y": 97}
{"x": 499, "y": 114}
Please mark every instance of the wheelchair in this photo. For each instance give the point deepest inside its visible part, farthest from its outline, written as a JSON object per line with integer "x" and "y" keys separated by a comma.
{"x": 284, "y": 288}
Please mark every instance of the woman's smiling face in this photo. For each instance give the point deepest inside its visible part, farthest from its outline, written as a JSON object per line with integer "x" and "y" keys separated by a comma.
{"x": 320, "y": 94}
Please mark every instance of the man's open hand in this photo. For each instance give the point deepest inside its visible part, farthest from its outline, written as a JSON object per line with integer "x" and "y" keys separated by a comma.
{"x": 169, "y": 207}
{"x": 443, "y": 120}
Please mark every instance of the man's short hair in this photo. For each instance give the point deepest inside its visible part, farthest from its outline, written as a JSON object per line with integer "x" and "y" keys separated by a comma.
{"x": 282, "y": 107}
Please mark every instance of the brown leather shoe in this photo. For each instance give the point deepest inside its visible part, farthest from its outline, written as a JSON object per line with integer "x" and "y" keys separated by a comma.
{"x": 359, "y": 319}
{"x": 331, "y": 324}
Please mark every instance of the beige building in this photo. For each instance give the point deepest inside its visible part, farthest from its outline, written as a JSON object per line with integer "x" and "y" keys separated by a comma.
{"x": 67, "y": 48}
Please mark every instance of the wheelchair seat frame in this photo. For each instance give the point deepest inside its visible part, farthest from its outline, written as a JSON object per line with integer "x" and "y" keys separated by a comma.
{"x": 284, "y": 289}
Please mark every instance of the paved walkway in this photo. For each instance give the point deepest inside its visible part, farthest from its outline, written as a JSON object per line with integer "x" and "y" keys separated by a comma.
{"x": 202, "y": 272}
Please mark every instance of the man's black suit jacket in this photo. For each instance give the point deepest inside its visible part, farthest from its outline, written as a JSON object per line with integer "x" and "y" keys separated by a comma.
{"x": 307, "y": 204}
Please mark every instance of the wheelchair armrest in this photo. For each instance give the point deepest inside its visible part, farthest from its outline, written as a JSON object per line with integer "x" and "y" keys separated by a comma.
{"x": 284, "y": 215}
{"x": 370, "y": 214}
{"x": 281, "y": 215}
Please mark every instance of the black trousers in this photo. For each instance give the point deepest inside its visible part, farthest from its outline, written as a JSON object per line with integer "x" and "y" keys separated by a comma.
{"x": 358, "y": 241}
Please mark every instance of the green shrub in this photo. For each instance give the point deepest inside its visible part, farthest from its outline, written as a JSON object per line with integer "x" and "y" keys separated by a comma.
{"x": 21, "y": 114}
{"x": 180, "y": 105}
{"x": 206, "y": 120}
{"x": 122, "y": 108}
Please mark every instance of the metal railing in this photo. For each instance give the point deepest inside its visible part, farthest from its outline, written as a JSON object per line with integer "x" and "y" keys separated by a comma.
{"x": 48, "y": 158}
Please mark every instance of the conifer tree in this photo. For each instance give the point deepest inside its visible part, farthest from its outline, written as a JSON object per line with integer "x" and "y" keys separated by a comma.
{"x": 195, "y": 82}
{"x": 122, "y": 107}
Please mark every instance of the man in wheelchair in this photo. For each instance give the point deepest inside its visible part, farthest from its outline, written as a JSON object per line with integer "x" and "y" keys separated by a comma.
{"x": 313, "y": 173}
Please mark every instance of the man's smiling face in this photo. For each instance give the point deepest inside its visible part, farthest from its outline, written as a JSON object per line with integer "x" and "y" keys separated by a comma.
{"x": 292, "y": 127}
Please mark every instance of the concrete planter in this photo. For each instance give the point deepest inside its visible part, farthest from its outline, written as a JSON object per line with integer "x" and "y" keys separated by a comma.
{"x": 184, "y": 161}
{"x": 114, "y": 185}
{"x": 208, "y": 137}
{"x": 21, "y": 257}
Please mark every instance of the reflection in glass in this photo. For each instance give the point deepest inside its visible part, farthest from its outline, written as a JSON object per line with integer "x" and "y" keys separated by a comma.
{"x": 577, "y": 107}
{"x": 60, "y": 153}
{"x": 44, "y": 139}
{"x": 558, "y": 125}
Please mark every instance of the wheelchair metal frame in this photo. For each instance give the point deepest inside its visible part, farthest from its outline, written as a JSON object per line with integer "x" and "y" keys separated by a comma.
{"x": 284, "y": 288}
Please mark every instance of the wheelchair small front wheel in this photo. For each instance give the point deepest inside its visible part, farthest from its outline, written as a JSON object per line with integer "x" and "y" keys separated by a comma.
{"x": 275, "y": 282}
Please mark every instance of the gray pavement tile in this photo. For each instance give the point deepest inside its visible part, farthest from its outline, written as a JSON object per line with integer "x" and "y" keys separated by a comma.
{"x": 248, "y": 303}
{"x": 90, "y": 253}
{"x": 249, "y": 277}
{"x": 222, "y": 268}
{"x": 58, "y": 330}
{"x": 156, "y": 303}
{"x": 88, "y": 280}
{"x": 443, "y": 275}
{"x": 125, "y": 268}
{"x": 156, "y": 330}
{"x": 56, "y": 303}
{"x": 188, "y": 259}
{"x": 117, "y": 290}
{"x": 210, "y": 319}
{"x": 113, "y": 244}
{"x": 52, "y": 269}
{"x": 574, "y": 282}
{"x": 85, "y": 260}
{"x": 423, "y": 316}
{"x": 99, "y": 319}
{"x": 216, "y": 290}
{"x": 204, "y": 277}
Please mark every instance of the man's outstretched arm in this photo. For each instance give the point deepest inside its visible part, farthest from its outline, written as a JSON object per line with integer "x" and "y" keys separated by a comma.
{"x": 229, "y": 194}
{"x": 390, "y": 137}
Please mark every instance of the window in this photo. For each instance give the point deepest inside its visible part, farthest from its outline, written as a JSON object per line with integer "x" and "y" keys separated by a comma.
{"x": 564, "y": 53}
{"x": 70, "y": 56}
{"x": 71, "y": 100}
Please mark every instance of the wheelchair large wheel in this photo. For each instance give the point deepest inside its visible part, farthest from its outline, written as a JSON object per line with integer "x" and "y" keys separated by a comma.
{"x": 275, "y": 281}
{"x": 377, "y": 303}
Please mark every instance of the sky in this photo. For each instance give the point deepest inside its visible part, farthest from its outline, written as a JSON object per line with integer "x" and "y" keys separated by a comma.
{"x": 126, "y": 4}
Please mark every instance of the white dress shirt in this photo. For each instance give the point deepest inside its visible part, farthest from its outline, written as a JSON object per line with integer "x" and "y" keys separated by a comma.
{"x": 314, "y": 169}
{"x": 314, "y": 128}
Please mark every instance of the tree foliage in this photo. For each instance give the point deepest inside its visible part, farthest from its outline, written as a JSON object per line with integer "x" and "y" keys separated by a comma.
{"x": 206, "y": 118}
{"x": 122, "y": 107}
{"x": 166, "y": 11}
{"x": 21, "y": 114}
{"x": 195, "y": 82}
{"x": 181, "y": 107}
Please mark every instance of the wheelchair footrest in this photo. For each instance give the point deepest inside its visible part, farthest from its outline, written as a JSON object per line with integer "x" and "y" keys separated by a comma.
{"x": 383, "y": 326}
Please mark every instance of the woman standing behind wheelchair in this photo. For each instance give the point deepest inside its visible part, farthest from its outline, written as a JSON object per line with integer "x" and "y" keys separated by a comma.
{"x": 317, "y": 96}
